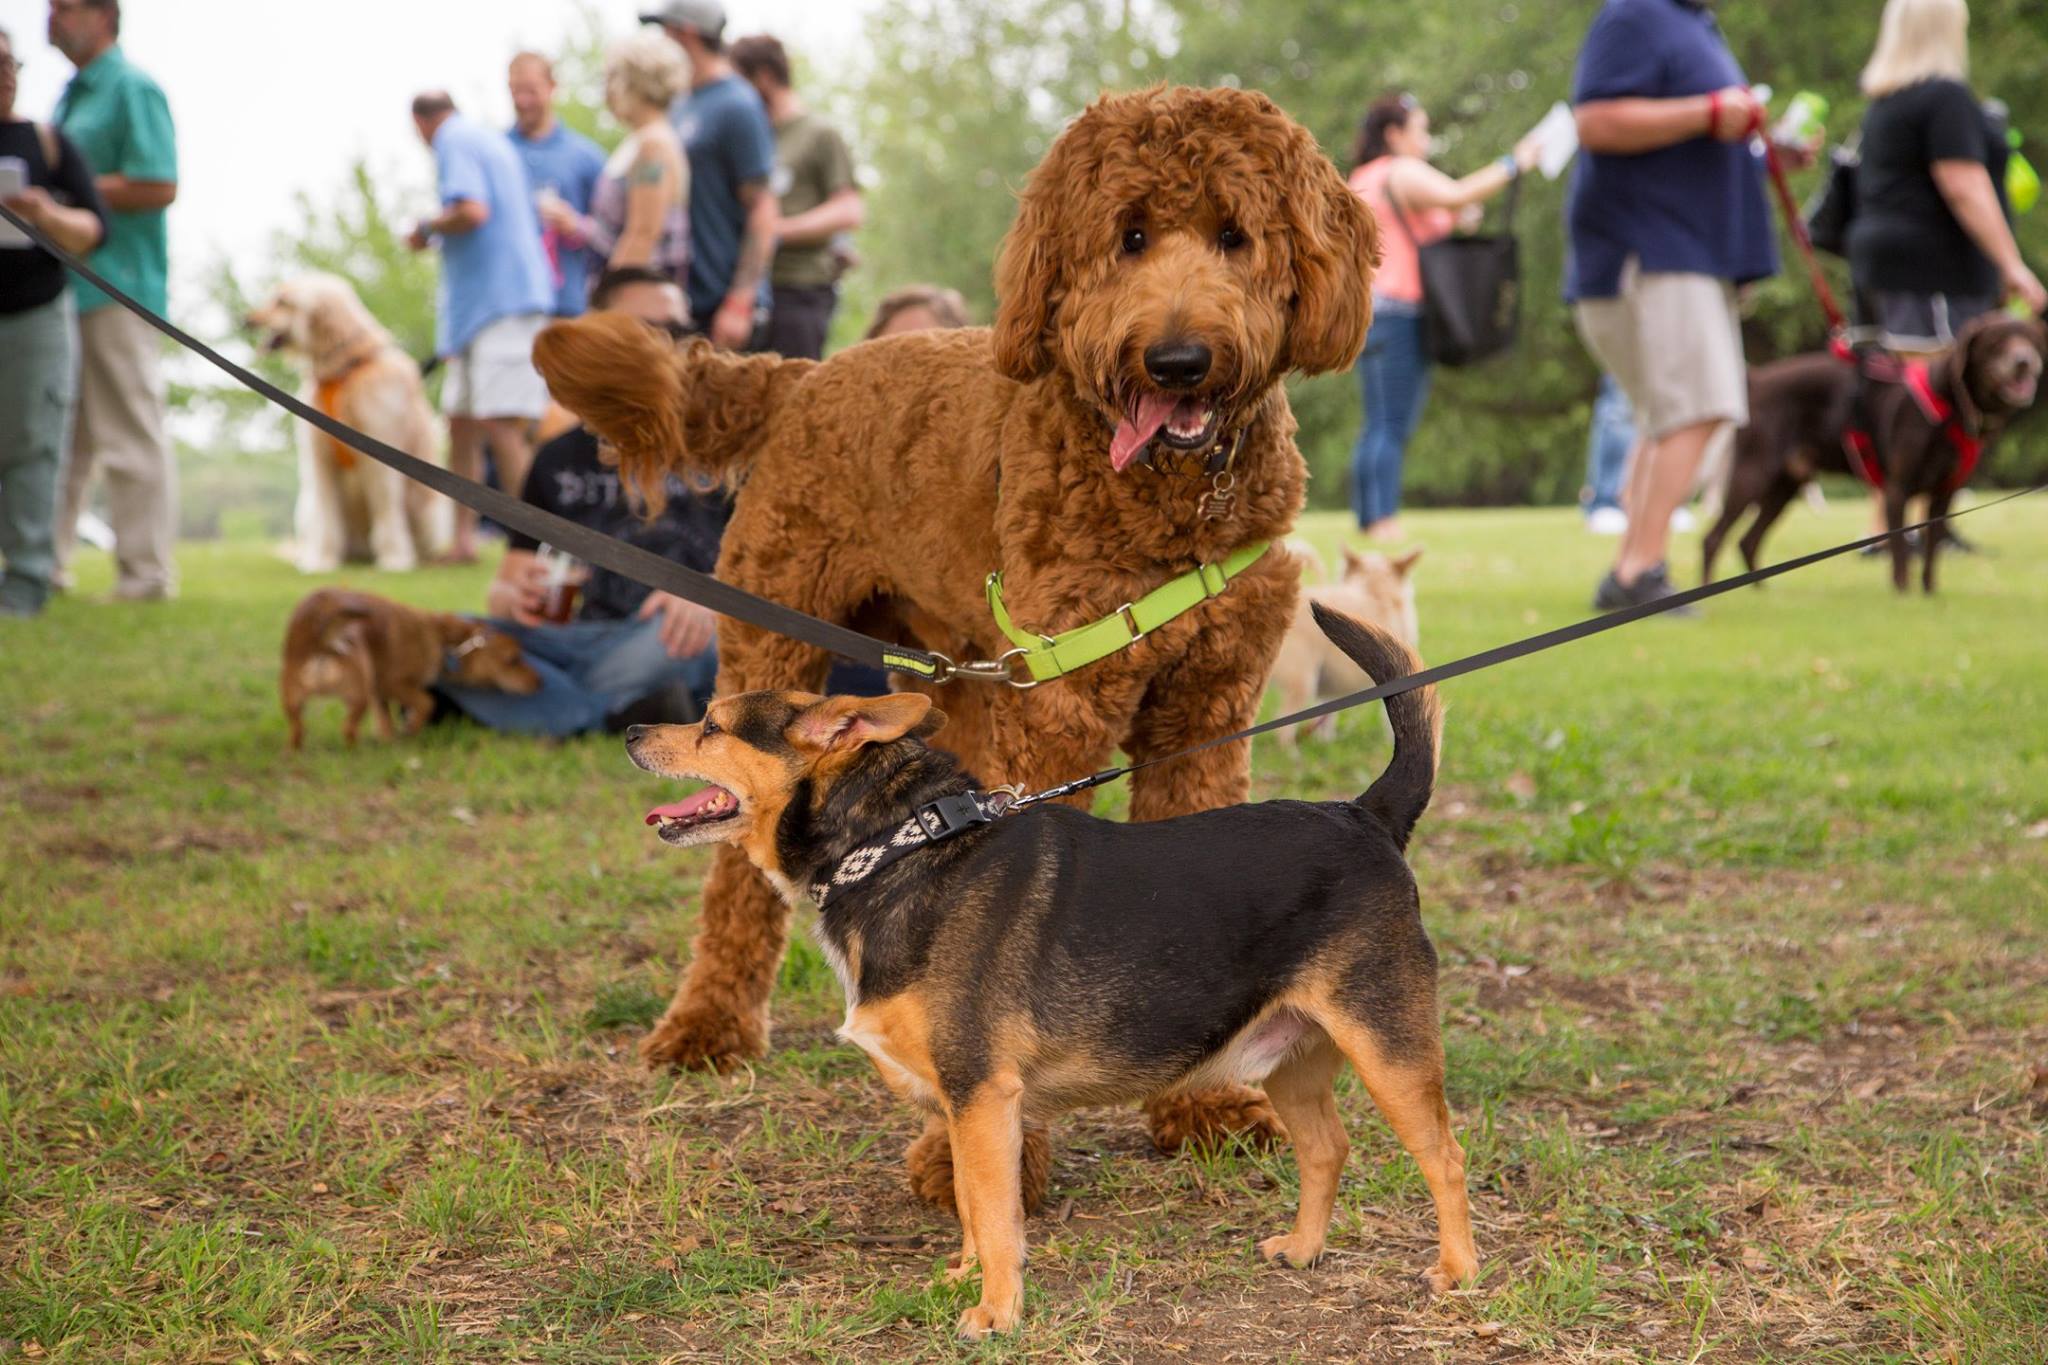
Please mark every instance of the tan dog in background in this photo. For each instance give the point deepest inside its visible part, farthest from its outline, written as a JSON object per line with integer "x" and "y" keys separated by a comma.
{"x": 1375, "y": 588}
{"x": 352, "y": 509}
{"x": 369, "y": 651}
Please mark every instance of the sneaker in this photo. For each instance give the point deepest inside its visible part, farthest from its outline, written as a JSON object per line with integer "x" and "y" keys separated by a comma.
{"x": 1607, "y": 521}
{"x": 1682, "y": 520}
{"x": 1652, "y": 586}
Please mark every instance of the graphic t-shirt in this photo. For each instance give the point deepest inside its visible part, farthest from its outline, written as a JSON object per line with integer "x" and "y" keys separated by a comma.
{"x": 570, "y": 480}
{"x": 811, "y": 165}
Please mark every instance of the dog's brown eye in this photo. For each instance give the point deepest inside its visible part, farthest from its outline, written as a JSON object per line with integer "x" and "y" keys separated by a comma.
{"x": 710, "y": 727}
{"x": 1134, "y": 241}
{"x": 1231, "y": 238}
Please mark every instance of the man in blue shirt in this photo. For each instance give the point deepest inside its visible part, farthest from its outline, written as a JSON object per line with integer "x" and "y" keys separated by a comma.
{"x": 495, "y": 294}
{"x": 559, "y": 162}
{"x": 1666, "y": 217}
{"x": 731, "y": 146}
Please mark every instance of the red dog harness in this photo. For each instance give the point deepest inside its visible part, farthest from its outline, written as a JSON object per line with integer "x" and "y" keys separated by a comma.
{"x": 1862, "y": 450}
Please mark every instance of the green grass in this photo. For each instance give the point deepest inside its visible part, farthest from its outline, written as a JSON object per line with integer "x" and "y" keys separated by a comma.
{"x": 329, "y": 1056}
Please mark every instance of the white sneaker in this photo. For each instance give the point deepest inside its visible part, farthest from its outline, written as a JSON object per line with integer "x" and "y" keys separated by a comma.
{"x": 1682, "y": 520}
{"x": 1607, "y": 521}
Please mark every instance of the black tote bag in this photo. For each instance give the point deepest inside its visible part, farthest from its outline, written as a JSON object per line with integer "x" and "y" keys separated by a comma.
{"x": 1471, "y": 288}
{"x": 1829, "y": 214}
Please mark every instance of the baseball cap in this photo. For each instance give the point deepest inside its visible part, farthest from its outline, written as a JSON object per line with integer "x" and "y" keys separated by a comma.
{"x": 705, "y": 16}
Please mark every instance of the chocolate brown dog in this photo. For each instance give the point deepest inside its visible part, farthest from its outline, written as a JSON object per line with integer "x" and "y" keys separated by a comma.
{"x": 1802, "y": 409}
{"x": 373, "y": 652}
{"x": 1005, "y": 968}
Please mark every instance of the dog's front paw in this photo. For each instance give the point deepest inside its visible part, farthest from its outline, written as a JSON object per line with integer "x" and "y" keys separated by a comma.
{"x": 928, "y": 1162}
{"x": 691, "y": 1040}
{"x": 1291, "y": 1250}
{"x": 1448, "y": 1274}
{"x": 985, "y": 1320}
{"x": 1208, "y": 1118}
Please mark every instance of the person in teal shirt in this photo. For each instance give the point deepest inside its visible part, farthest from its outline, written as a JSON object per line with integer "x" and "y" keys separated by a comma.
{"x": 118, "y": 118}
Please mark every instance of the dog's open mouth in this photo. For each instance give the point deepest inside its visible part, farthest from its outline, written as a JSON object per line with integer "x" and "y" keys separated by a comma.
{"x": 1178, "y": 421}
{"x": 678, "y": 821}
{"x": 2018, "y": 391}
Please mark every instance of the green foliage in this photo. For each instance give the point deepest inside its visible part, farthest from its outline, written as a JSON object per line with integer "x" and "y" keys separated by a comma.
{"x": 960, "y": 99}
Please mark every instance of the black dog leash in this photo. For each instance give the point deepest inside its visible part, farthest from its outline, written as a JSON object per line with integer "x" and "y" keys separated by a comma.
{"x": 642, "y": 566}
{"x": 1517, "y": 649}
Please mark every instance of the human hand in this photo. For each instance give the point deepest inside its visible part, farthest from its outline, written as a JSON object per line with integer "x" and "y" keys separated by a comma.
{"x": 556, "y": 213}
{"x": 732, "y": 326}
{"x": 519, "y": 592}
{"x": 1737, "y": 113}
{"x": 33, "y": 203}
{"x": 1470, "y": 217}
{"x": 686, "y": 629}
{"x": 419, "y": 239}
{"x": 1528, "y": 152}
{"x": 2021, "y": 283}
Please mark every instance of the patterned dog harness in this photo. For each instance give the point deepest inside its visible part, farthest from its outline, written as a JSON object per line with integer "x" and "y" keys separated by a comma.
{"x": 931, "y": 824}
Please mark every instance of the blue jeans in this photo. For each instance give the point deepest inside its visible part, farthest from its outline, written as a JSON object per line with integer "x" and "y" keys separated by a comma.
{"x": 588, "y": 670}
{"x": 1393, "y": 378}
{"x": 38, "y": 384}
{"x": 1608, "y": 442}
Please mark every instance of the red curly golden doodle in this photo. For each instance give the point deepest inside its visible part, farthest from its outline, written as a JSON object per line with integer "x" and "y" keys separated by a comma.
{"x": 1032, "y": 962}
{"x": 1177, "y": 253}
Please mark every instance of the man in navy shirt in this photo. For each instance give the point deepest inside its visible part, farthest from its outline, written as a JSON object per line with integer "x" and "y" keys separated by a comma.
{"x": 560, "y": 162}
{"x": 1666, "y": 217}
{"x": 731, "y": 146}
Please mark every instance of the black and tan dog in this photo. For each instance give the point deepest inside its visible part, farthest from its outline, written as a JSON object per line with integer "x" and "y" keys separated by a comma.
{"x": 1802, "y": 411}
{"x": 1046, "y": 959}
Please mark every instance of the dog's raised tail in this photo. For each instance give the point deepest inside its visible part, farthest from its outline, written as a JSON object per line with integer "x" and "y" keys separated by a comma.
{"x": 666, "y": 409}
{"x": 1400, "y": 794}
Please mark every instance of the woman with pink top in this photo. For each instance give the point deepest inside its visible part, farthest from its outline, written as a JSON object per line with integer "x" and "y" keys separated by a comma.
{"x": 1392, "y": 174}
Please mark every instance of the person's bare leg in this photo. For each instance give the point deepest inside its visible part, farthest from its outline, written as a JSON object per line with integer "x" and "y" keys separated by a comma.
{"x": 514, "y": 451}
{"x": 1660, "y": 480}
{"x": 465, "y": 457}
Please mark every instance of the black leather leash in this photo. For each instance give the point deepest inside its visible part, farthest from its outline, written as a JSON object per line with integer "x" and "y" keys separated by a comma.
{"x": 642, "y": 566}
{"x": 651, "y": 570}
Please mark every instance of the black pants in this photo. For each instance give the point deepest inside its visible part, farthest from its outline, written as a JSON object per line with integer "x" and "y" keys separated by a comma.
{"x": 799, "y": 319}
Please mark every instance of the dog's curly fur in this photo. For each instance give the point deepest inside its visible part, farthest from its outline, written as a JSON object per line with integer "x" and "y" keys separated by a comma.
{"x": 880, "y": 487}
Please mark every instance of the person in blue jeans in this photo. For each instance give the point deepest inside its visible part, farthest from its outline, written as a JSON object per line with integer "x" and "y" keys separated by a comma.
{"x": 1415, "y": 204}
{"x": 1608, "y": 442}
{"x": 632, "y": 656}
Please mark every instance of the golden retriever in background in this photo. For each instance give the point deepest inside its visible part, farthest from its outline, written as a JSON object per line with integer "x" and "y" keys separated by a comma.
{"x": 1177, "y": 254}
{"x": 352, "y": 509}
{"x": 1375, "y": 588}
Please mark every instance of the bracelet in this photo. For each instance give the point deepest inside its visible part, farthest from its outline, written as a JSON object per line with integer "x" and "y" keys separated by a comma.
{"x": 1510, "y": 165}
{"x": 1713, "y": 113}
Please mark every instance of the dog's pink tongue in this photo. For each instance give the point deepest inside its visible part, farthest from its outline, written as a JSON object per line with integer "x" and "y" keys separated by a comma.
{"x": 689, "y": 805}
{"x": 1138, "y": 427}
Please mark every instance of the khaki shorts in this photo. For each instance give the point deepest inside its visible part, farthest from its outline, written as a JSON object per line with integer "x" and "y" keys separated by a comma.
{"x": 1673, "y": 342}
{"x": 494, "y": 376}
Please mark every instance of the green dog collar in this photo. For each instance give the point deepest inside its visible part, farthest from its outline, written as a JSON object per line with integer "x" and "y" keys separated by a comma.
{"x": 1046, "y": 657}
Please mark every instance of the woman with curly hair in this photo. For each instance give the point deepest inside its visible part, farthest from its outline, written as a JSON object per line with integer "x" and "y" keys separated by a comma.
{"x": 639, "y": 212}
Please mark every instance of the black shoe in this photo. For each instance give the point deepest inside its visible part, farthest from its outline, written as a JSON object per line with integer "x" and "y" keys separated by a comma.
{"x": 669, "y": 704}
{"x": 1652, "y": 585}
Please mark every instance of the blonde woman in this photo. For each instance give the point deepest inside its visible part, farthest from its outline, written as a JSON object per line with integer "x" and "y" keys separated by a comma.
{"x": 639, "y": 211}
{"x": 1929, "y": 243}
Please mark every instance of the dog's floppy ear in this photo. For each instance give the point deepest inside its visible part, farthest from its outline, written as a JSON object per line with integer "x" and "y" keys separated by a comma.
{"x": 842, "y": 723}
{"x": 624, "y": 380}
{"x": 1028, "y": 270}
{"x": 1336, "y": 245}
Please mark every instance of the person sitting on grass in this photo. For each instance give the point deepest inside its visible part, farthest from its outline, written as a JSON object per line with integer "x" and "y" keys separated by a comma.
{"x": 630, "y": 656}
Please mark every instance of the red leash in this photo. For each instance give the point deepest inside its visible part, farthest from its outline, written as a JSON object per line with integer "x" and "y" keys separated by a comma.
{"x": 1838, "y": 325}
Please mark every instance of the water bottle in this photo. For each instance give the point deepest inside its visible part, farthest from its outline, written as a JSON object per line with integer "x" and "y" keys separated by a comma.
{"x": 1804, "y": 120}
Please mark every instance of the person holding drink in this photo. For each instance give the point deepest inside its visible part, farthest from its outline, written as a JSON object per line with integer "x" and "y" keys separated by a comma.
{"x": 610, "y": 653}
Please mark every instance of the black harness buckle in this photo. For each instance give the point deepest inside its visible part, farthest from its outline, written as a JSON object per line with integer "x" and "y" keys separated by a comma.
{"x": 951, "y": 815}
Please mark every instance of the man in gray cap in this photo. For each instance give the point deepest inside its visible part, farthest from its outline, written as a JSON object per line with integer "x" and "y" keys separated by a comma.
{"x": 731, "y": 145}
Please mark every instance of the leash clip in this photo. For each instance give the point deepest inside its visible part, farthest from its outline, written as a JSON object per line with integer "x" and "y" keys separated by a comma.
{"x": 1000, "y": 669}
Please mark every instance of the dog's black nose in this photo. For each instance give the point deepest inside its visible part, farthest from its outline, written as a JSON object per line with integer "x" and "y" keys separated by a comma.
{"x": 634, "y": 732}
{"x": 1178, "y": 364}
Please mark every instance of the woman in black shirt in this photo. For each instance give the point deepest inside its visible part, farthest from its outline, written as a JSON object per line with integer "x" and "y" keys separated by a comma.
{"x": 1929, "y": 244}
{"x": 44, "y": 180}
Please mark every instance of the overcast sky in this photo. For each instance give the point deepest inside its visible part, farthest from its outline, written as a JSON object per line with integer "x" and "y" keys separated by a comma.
{"x": 276, "y": 96}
